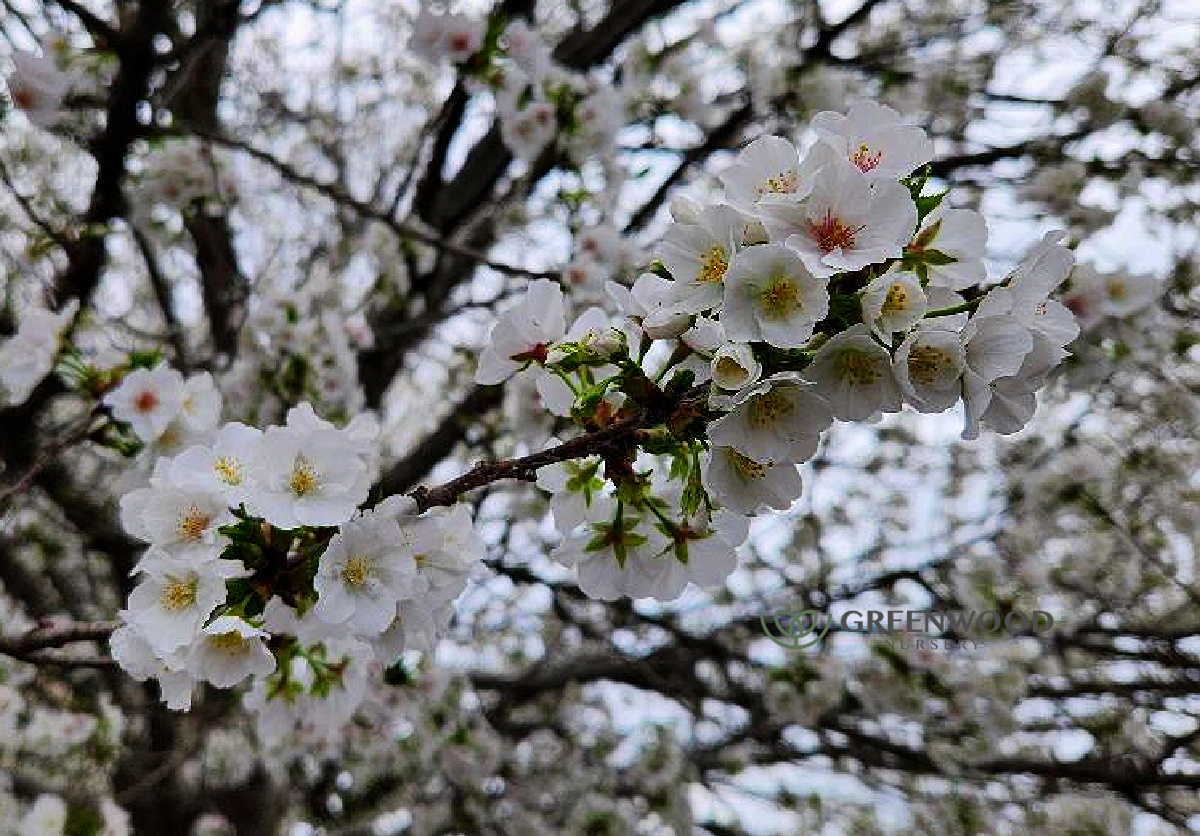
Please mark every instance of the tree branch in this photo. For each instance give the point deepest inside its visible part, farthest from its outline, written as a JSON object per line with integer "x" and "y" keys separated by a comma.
{"x": 30, "y": 646}
{"x": 102, "y": 32}
{"x": 340, "y": 196}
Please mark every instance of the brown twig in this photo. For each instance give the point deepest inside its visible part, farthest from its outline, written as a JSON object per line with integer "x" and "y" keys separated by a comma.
{"x": 39, "y": 644}
{"x": 525, "y": 468}
{"x": 80, "y": 432}
{"x": 614, "y": 437}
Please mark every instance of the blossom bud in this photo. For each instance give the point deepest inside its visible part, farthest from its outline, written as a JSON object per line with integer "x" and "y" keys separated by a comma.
{"x": 734, "y": 366}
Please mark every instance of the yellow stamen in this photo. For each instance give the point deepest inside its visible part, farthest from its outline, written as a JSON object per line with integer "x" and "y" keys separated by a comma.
{"x": 229, "y": 470}
{"x": 178, "y": 594}
{"x": 303, "y": 480}
{"x": 896, "y": 301}
{"x": 356, "y": 572}
{"x": 727, "y": 367}
{"x": 780, "y": 298}
{"x": 857, "y": 366}
{"x": 746, "y": 466}
{"x": 784, "y": 183}
{"x": 768, "y": 408}
{"x": 865, "y": 159}
{"x": 193, "y": 523}
{"x": 713, "y": 267}
{"x": 925, "y": 363}
{"x": 231, "y": 642}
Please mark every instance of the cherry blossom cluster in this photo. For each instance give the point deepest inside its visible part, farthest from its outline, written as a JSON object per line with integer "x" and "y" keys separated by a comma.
{"x": 828, "y": 285}
{"x": 1095, "y": 295}
{"x": 45, "y": 84}
{"x": 30, "y": 354}
{"x": 260, "y": 564}
{"x": 538, "y": 101}
{"x": 49, "y": 815}
{"x": 36, "y": 738}
{"x": 298, "y": 346}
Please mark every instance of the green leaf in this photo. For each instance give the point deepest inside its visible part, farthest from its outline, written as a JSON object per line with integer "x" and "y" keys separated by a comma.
{"x": 144, "y": 359}
{"x": 681, "y": 465}
{"x": 681, "y": 382}
{"x": 693, "y": 494}
{"x": 927, "y": 203}
{"x": 937, "y": 258}
{"x": 398, "y": 675}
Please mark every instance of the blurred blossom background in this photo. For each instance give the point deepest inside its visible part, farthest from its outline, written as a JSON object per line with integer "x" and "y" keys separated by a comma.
{"x": 240, "y": 183}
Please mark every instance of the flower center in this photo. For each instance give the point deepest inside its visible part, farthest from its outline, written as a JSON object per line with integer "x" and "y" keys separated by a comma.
{"x": 729, "y": 368}
{"x": 780, "y": 298}
{"x": 231, "y": 642}
{"x": 857, "y": 366}
{"x": 192, "y": 524}
{"x": 784, "y": 183}
{"x": 303, "y": 480}
{"x": 925, "y": 363}
{"x": 228, "y": 470}
{"x": 713, "y": 267}
{"x": 24, "y": 98}
{"x": 768, "y": 408}
{"x": 178, "y": 594}
{"x": 864, "y": 159}
{"x": 1116, "y": 289}
{"x": 170, "y": 438}
{"x": 832, "y": 234}
{"x": 747, "y": 467}
{"x": 145, "y": 401}
{"x": 896, "y": 300}
{"x": 356, "y": 572}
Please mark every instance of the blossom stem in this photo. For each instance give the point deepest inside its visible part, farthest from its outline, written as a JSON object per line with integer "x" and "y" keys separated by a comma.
{"x": 619, "y": 435}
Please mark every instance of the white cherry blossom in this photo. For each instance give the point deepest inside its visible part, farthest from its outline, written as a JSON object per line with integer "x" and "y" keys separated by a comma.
{"x": 362, "y": 575}
{"x": 779, "y": 419}
{"x": 46, "y": 817}
{"x": 846, "y": 223}
{"x": 1095, "y": 294}
{"x": 770, "y": 295}
{"x": 138, "y": 658}
{"x": 928, "y": 366}
{"x": 38, "y": 86}
{"x": 735, "y": 367}
{"x": 893, "y": 302}
{"x": 523, "y": 333}
{"x": 745, "y": 486}
{"x": 308, "y": 476}
{"x": 148, "y": 399}
{"x": 230, "y": 650}
{"x": 768, "y": 170}
{"x": 699, "y": 254}
{"x": 176, "y": 596}
{"x": 28, "y": 356}
{"x": 168, "y": 515}
{"x": 223, "y": 468}
{"x": 875, "y": 139}
{"x": 854, "y": 373}
{"x": 960, "y": 234}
